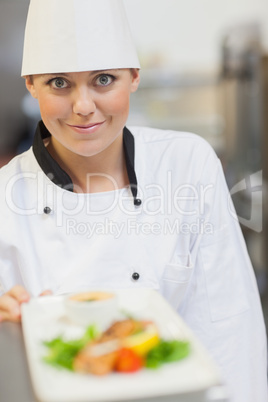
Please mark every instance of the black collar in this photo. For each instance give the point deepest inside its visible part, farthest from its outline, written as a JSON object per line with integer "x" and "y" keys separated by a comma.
{"x": 59, "y": 177}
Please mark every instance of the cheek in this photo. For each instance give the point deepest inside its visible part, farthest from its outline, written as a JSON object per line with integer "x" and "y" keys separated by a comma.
{"x": 52, "y": 107}
{"x": 118, "y": 103}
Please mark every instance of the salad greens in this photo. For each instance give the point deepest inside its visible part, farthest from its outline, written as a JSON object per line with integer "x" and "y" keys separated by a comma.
{"x": 62, "y": 353}
{"x": 166, "y": 352}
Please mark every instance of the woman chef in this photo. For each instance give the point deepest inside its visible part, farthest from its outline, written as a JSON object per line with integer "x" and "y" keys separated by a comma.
{"x": 95, "y": 204}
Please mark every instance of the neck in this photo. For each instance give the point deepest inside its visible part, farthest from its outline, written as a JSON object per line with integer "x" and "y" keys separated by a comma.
{"x": 105, "y": 171}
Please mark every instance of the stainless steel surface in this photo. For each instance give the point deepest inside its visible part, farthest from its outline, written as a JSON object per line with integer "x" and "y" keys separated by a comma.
{"x": 15, "y": 382}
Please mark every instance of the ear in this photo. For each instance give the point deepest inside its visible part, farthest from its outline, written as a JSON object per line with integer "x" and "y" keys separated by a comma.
{"x": 135, "y": 74}
{"x": 29, "y": 82}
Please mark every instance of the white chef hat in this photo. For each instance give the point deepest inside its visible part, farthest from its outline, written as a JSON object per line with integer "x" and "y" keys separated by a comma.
{"x": 77, "y": 35}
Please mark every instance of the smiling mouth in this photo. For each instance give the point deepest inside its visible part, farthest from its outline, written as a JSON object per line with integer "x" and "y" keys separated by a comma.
{"x": 87, "y": 126}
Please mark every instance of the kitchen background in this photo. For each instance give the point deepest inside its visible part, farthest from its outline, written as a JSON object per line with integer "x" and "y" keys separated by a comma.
{"x": 204, "y": 70}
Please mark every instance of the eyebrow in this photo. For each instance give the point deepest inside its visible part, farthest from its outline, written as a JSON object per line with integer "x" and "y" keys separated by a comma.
{"x": 103, "y": 71}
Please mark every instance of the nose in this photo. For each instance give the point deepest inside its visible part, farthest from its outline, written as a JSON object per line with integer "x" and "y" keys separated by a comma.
{"x": 83, "y": 103}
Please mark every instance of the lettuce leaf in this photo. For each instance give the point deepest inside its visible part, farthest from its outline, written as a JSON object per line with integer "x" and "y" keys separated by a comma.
{"x": 61, "y": 353}
{"x": 166, "y": 352}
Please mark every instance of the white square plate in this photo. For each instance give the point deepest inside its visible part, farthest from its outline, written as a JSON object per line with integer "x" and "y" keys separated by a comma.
{"x": 44, "y": 318}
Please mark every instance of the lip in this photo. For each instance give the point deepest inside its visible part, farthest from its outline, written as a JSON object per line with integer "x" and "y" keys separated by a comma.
{"x": 86, "y": 128}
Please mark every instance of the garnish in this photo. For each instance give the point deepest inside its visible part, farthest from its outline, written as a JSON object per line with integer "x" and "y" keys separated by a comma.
{"x": 62, "y": 353}
{"x": 167, "y": 352}
{"x": 126, "y": 346}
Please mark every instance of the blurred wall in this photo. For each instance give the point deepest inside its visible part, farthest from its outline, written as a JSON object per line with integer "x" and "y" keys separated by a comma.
{"x": 187, "y": 34}
{"x": 12, "y": 119}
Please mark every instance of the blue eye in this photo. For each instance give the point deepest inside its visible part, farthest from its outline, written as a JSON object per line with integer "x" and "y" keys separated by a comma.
{"x": 104, "y": 80}
{"x": 59, "y": 83}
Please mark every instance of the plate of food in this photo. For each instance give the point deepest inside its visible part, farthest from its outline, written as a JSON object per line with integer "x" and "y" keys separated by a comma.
{"x": 114, "y": 345}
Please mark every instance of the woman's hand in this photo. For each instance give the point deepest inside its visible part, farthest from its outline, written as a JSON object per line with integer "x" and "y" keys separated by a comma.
{"x": 11, "y": 301}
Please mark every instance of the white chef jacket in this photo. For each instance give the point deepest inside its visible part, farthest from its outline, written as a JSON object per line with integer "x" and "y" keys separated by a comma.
{"x": 184, "y": 240}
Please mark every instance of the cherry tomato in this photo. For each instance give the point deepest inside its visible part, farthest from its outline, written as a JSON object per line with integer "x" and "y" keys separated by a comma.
{"x": 128, "y": 361}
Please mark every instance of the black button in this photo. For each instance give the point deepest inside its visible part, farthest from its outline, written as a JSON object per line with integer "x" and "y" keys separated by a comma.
{"x": 47, "y": 210}
{"x": 137, "y": 202}
{"x": 135, "y": 276}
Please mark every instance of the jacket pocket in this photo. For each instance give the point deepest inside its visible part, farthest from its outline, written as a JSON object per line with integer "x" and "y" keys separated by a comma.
{"x": 226, "y": 279}
{"x": 175, "y": 280}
